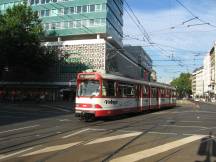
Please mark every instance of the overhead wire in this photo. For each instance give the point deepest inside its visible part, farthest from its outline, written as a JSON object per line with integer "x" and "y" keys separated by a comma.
{"x": 191, "y": 13}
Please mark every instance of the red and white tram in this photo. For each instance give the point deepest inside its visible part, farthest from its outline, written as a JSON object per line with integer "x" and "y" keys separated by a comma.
{"x": 100, "y": 94}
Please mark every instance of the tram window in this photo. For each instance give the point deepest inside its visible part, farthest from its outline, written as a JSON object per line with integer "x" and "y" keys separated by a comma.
{"x": 162, "y": 91}
{"x": 145, "y": 91}
{"x": 89, "y": 88}
{"x": 127, "y": 90}
{"x": 108, "y": 88}
{"x": 122, "y": 90}
{"x": 131, "y": 91}
{"x": 154, "y": 92}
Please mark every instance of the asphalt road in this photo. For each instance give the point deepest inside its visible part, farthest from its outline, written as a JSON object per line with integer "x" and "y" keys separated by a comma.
{"x": 39, "y": 133}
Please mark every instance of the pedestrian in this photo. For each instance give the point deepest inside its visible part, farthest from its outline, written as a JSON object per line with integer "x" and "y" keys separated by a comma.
{"x": 13, "y": 96}
{"x": 42, "y": 97}
{"x": 1, "y": 95}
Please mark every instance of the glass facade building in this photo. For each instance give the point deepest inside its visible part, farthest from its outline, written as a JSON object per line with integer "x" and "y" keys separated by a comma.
{"x": 77, "y": 19}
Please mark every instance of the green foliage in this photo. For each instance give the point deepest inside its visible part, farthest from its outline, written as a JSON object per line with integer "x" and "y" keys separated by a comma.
{"x": 183, "y": 84}
{"x": 20, "y": 36}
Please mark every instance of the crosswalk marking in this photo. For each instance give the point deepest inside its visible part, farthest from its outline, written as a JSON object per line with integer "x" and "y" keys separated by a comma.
{"x": 105, "y": 139}
{"x": 184, "y": 126}
{"x": 156, "y": 150}
{"x": 12, "y": 130}
{"x": 73, "y": 134}
{"x": 51, "y": 149}
{"x": 15, "y": 153}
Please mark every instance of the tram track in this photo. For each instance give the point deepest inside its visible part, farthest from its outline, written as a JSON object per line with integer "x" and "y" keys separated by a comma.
{"x": 108, "y": 157}
{"x": 18, "y": 146}
{"x": 49, "y": 157}
{"x": 32, "y": 142}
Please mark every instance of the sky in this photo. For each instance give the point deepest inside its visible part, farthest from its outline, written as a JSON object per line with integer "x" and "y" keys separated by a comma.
{"x": 179, "y": 40}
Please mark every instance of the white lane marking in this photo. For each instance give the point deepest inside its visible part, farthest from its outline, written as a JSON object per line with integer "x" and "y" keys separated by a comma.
{"x": 73, "y": 134}
{"x": 105, "y": 139}
{"x": 96, "y": 129}
{"x": 32, "y": 126}
{"x": 15, "y": 153}
{"x": 184, "y": 126}
{"x": 190, "y": 134}
{"x": 51, "y": 149}
{"x": 156, "y": 150}
{"x": 191, "y": 121}
{"x": 55, "y": 108}
{"x": 64, "y": 120}
{"x": 163, "y": 133}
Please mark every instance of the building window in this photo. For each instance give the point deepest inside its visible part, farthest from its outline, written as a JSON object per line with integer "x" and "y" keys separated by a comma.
{"x": 71, "y": 24}
{"x": 42, "y": 1}
{"x": 60, "y": 11}
{"x": 66, "y": 10}
{"x": 78, "y": 24}
{"x": 72, "y": 11}
{"x": 104, "y": 7}
{"x": 42, "y": 13}
{"x": 31, "y": 2}
{"x": 79, "y": 9}
{"x": 85, "y": 8}
{"x": 97, "y": 7}
{"x": 103, "y": 21}
{"x": 58, "y": 25}
{"x": 46, "y": 26}
{"x": 54, "y": 12}
{"x": 65, "y": 25}
{"x": 47, "y": 1}
{"x": 46, "y": 13}
{"x": 54, "y": 0}
{"x": 85, "y": 23}
{"x": 92, "y": 8}
{"x": 53, "y": 26}
{"x": 91, "y": 22}
{"x": 97, "y": 22}
{"x": 36, "y": 1}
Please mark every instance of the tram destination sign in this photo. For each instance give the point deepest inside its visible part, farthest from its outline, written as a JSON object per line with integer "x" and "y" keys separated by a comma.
{"x": 87, "y": 76}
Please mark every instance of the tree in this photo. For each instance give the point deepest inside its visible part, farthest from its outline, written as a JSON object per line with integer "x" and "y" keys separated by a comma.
{"x": 183, "y": 84}
{"x": 21, "y": 33}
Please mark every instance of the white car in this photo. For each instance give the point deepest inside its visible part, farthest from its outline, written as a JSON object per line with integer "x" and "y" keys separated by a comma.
{"x": 196, "y": 99}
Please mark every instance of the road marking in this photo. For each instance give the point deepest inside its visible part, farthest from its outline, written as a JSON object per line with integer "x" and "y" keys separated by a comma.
{"x": 105, "y": 139}
{"x": 64, "y": 120}
{"x": 55, "y": 108}
{"x": 96, "y": 129}
{"x": 19, "y": 152}
{"x": 191, "y": 121}
{"x": 156, "y": 150}
{"x": 184, "y": 126}
{"x": 32, "y": 126}
{"x": 73, "y": 134}
{"x": 51, "y": 149}
{"x": 190, "y": 134}
{"x": 163, "y": 133}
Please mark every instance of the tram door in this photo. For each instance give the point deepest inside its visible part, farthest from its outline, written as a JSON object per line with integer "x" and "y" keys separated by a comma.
{"x": 154, "y": 97}
{"x": 144, "y": 99}
{"x": 159, "y": 96}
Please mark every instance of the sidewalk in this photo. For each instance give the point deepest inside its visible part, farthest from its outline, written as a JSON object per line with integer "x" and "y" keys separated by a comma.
{"x": 211, "y": 103}
{"x": 60, "y": 104}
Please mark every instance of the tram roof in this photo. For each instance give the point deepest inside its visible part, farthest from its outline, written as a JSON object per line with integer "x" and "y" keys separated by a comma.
{"x": 122, "y": 78}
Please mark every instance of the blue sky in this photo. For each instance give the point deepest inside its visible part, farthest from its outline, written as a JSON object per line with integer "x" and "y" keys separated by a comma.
{"x": 163, "y": 20}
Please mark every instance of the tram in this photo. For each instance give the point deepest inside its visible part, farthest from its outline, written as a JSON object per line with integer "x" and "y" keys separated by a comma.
{"x": 100, "y": 94}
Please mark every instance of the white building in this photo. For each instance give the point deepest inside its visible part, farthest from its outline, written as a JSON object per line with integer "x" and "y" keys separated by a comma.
{"x": 213, "y": 68}
{"x": 199, "y": 90}
{"x": 207, "y": 74}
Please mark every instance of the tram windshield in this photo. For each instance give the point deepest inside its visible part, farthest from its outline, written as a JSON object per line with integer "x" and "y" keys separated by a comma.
{"x": 89, "y": 88}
